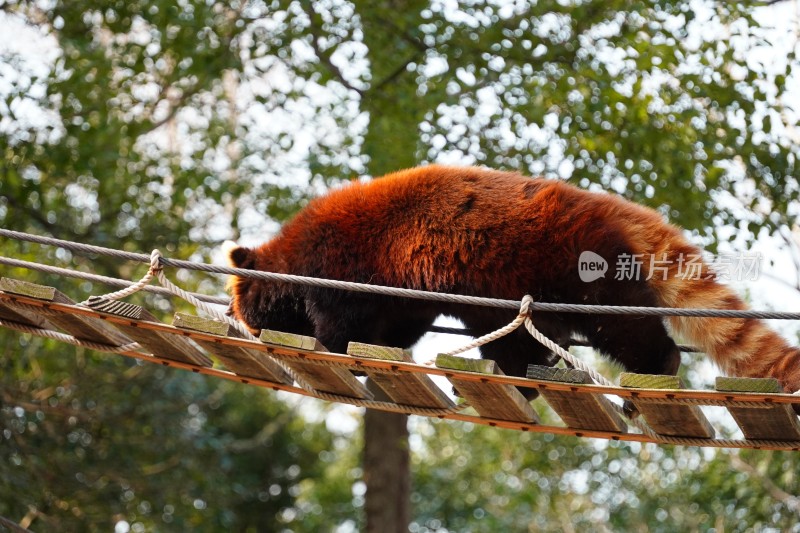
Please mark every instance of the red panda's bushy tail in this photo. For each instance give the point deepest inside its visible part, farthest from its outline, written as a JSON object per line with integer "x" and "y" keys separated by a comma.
{"x": 744, "y": 347}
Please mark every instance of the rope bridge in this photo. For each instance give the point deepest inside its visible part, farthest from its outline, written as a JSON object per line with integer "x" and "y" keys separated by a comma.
{"x": 643, "y": 408}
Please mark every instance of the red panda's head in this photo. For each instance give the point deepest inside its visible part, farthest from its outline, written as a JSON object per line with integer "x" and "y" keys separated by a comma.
{"x": 262, "y": 304}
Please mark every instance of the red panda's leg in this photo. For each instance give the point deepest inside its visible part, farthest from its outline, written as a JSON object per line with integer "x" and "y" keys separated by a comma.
{"x": 261, "y": 305}
{"x": 514, "y": 352}
{"x": 339, "y": 320}
{"x": 404, "y": 330}
{"x": 640, "y": 344}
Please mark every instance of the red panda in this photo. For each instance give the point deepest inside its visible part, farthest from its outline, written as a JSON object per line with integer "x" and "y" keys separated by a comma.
{"x": 482, "y": 232}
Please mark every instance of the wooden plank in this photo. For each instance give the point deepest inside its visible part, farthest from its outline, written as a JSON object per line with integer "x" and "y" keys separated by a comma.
{"x": 408, "y": 389}
{"x": 82, "y": 327}
{"x": 291, "y": 340}
{"x": 734, "y": 384}
{"x": 242, "y": 361}
{"x": 157, "y": 343}
{"x": 673, "y": 419}
{"x": 332, "y": 379}
{"x": 579, "y": 411}
{"x": 25, "y": 288}
{"x": 490, "y": 400}
{"x": 772, "y": 421}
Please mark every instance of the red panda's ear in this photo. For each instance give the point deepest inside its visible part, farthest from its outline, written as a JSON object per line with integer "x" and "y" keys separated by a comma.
{"x": 240, "y": 257}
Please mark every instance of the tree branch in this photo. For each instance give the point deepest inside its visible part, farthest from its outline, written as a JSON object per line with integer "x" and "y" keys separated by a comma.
{"x": 396, "y": 72}
{"x": 13, "y": 526}
{"x": 263, "y": 436}
{"x": 33, "y": 214}
{"x": 175, "y": 105}
{"x": 792, "y": 502}
{"x": 792, "y": 246}
{"x": 421, "y": 48}
{"x": 322, "y": 55}
{"x": 413, "y": 41}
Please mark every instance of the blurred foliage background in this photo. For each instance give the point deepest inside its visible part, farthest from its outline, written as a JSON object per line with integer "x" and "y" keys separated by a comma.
{"x": 176, "y": 125}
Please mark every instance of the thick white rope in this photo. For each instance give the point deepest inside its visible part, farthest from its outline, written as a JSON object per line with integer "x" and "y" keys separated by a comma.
{"x": 502, "y": 332}
{"x": 189, "y": 297}
{"x": 565, "y": 355}
{"x": 523, "y": 317}
{"x": 139, "y": 285}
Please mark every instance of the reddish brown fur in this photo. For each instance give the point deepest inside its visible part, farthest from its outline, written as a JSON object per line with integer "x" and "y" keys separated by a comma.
{"x": 488, "y": 233}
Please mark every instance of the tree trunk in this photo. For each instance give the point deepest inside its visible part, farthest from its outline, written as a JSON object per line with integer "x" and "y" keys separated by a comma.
{"x": 387, "y": 471}
{"x": 391, "y": 143}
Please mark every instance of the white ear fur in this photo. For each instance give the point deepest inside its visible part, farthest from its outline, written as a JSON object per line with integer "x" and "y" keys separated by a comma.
{"x": 227, "y": 247}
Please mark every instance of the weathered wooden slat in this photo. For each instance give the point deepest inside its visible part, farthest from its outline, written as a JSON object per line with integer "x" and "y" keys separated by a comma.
{"x": 157, "y": 343}
{"x": 82, "y": 327}
{"x": 25, "y": 288}
{"x": 734, "y": 384}
{"x": 490, "y": 400}
{"x": 239, "y": 360}
{"x": 291, "y": 340}
{"x": 673, "y": 419}
{"x": 580, "y": 411}
{"x": 772, "y": 421}
{"x": 335, "y": 380}
{"x": 410, "y": 388}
